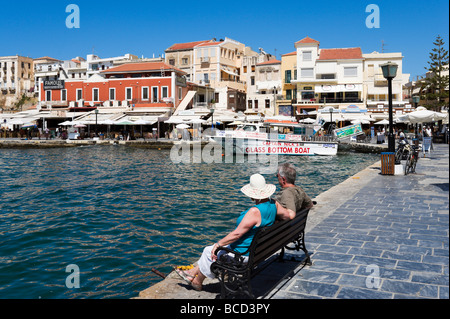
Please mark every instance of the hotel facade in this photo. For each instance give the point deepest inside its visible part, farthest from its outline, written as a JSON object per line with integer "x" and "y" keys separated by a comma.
{"x": 314, "y": 78}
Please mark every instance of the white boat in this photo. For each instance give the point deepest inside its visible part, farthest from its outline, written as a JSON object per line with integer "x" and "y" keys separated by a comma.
{"x": 259, "y": 138}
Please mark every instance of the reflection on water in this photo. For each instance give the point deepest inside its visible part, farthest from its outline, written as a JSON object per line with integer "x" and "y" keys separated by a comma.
{"x": 117, "y": 212}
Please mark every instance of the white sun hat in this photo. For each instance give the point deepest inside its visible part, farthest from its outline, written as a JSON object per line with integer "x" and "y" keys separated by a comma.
{"x": 258, "y": 189}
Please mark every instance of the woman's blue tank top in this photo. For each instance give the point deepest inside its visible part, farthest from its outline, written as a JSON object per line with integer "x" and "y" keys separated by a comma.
{"x": 268, "y": 214}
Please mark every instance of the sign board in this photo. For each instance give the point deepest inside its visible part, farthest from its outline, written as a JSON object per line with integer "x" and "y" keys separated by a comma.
{"x": 426, "y": 145}
{"x": 348, "y": 131}
{"x": 54, "y": 85}
{"x": 180, "y": 81}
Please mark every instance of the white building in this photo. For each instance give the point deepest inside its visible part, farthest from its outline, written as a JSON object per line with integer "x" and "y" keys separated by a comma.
{"x": 375, "y": 85}
{"x": 328, "y": 76}
{"x": 345, "y": 76}
{"x": 262, "y": 93}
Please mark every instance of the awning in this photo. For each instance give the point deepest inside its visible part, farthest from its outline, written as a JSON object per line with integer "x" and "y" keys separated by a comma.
{"x": 268, "y": 85}
{"x": 229, "y": 72}
{"x": 187, "y": 99}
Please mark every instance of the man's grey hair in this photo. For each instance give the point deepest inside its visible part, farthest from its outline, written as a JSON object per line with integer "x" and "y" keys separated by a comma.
{"x": 288, "y": 171}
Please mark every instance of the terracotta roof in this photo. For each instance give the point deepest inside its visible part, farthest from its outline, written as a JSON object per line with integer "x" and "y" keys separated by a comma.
{"x": 292, "y": 53}
{"x": 142, "y": 67}
{"x": 46, "y": 58}
{"x": 307, "y": 40}
{"x": 274, "y": 61}
{"x": 185, "y": 46}
{"x": 209, "y": 44}
{"x": 340, "y": 54}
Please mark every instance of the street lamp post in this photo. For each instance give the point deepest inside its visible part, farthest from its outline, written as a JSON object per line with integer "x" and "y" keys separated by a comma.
{"x": 389, "y": 73}
{"x": 96, "y": 113}
{"x": 416, "y": 100}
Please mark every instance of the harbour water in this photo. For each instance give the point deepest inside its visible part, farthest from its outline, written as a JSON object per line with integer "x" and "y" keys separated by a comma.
{"x": 117, "y": 212}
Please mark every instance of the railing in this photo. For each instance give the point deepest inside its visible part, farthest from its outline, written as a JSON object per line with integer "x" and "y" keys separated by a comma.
{"x": 346, "y": 100}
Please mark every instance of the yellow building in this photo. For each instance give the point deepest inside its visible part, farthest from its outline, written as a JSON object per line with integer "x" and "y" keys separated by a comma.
{"x": 289, "y": 89}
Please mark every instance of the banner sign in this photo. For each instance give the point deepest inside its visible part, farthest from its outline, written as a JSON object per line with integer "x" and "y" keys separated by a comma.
{"x": 54, "y": 85}
{"x": 349, "y": 131}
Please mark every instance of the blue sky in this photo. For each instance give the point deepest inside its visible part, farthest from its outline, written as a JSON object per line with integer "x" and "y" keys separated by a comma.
{"x": 144, "y": 28}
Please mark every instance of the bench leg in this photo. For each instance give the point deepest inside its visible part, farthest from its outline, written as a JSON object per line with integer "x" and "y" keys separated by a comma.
{"x": 234, "y": 285}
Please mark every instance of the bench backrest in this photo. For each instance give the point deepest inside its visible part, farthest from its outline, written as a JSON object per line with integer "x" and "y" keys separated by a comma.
{"x": 269, "y": 240}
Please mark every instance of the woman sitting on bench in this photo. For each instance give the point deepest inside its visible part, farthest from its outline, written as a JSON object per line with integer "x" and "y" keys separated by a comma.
{"x": 249, "y": 222}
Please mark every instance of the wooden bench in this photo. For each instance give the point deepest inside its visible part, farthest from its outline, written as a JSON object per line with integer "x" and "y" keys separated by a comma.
{"x": 234, "y": 274}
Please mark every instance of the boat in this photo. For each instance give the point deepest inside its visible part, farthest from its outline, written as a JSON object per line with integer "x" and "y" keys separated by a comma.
{"x": 265, "y": 138}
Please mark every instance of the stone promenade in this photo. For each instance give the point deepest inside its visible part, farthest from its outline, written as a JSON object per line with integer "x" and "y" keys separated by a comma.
{"x": 385, "y": 237}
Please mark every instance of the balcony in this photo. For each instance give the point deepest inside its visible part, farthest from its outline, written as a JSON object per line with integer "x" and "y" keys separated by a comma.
{"x": 379, "y": 80}
{"x": 346, "y": 100}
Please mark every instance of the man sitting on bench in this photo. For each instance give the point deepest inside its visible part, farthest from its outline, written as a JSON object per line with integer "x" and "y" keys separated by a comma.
{"x": 292, "y": 198}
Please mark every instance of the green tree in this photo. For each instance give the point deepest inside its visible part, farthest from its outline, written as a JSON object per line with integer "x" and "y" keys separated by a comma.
{"x": 437, "y": 83}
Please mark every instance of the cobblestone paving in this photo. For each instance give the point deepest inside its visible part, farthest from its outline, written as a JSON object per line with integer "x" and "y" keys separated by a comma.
{"x": 389, "y": 241}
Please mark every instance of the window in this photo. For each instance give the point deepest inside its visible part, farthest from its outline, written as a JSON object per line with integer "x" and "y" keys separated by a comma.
{"x": 112, "y": 94}
{"x": 172, "y": 61}
{"x": 95, "y": 96}
{"x": 256, "y": 104}
{"x": 155, "y": 98}
{"x": 307, "y": 73}
{"x": 327, "y": 76}
{"x": 48, "y": 96}
{"x": 145, "y": 92}
{"x": 252, "y": 80}
{"x": 308, "y": 95}
{"x": 350, "y": 71}
{"x": 267, "y": 104}
{"x": 307, "y": 55}
{"x": 165, "y": 92}
{"x": 288, "y": 94}
{"x": 180, "y": 93}
{"x": 63, "y": 95}
{"x": 128, "y": 94}
{"x": 79, "y": 94}
{"x": 250, "y": 104}
{"x": 288, "y": 75}
{"x": 184, "y": 61}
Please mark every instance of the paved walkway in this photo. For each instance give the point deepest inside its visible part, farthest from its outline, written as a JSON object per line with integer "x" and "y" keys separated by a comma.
{"x": 388, "y": 240}
{"x": 372, "y": 236}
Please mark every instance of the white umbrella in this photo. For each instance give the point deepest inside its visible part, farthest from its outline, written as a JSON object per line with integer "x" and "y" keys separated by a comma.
{"x": 197, "y": 121}
{"x": 141, "y": 122}
{"x": 174, "y": 121}
{"x": 382, "y": 122}
{"x": 308, "y": 120}
{"x": 16, "y": 122}
{"x": 124, "y": 122}
{"x": 423, "y": 116}
{"x": 182, "y": 126}
{"x": 106, "y": 122}
{"x": 360, "y": 121}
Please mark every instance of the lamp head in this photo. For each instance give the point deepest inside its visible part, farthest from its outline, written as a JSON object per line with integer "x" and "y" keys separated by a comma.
{"x": 389, "y": 70}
